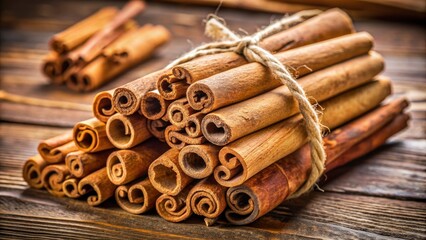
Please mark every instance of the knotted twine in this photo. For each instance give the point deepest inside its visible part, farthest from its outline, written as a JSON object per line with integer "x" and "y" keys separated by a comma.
{"x": 228, "y": 41}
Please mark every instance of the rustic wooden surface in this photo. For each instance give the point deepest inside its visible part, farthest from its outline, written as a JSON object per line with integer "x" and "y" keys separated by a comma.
{"x": 379, "y": 196}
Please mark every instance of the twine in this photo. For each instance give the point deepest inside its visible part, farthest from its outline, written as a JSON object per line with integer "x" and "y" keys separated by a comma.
{"x": 227, "y": 41}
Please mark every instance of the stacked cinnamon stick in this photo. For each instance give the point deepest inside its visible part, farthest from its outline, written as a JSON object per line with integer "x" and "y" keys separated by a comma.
{"x": 98, "y": 48}
{"x": 218, "y": 136}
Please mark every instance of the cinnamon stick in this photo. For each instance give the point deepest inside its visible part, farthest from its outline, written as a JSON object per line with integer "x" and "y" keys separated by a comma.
{"x": 262, "y": 193}
{"x": 102, "y": 105}
{"x": 54, "y": 150}
{"x": 90, "y": 136}
{"x": 81, "y": 164}
{"x": 252, "y": 79}
{"x": 53, "y": 176}
{"x": 138, "y": 197}
{"x": 127, "y": 131}
{"x": 177, "y": 138}
{"x": 178, "y": 112}
{"x": 199, "y": 161}
{"x": 175, "y": 208}
{"x": 166, "y": 175}
{"x": 51, "y": 68}
{"x": 233, "y": 122}
{"x": 78, "y": 33}
{"x": 157, "y": 128}
{"x": 328, "y": 25}
{"x": 99, "y": 183}
{"x": 93, "y": 47}
{"x": 127, "y": 98}
{"x": 70, "y": 188}
{"x": 193, "y": 127}
{"x": 249, "y": 155}
{"x": 32, "y": 171}
{"x": 124, "y": 166}
{"x": 207, "y": 198}
{"x": 153, "y": 105}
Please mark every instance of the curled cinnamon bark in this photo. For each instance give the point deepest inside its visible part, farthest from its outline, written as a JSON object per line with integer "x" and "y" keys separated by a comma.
{"x": 262, "y": 193}
{"x": 81, "y": 164}
{"x": 90, "y": 136}
{"x": 137, "y": 197}
{"x": 32, "y": 171}
{"x": 230, "y": 123}
{"x": 99, "y": 183}
{"x": 207, "y": 198}
{"x": 179, "y": 112}
{"x": 124, "y": 166}
{"x": 52, "y": 68}
{"x": 125, "y": 132}
{"x": 153, "y": 105}
{"x": 54, "y": 150}
{"x": 239, "y": 160}
{"x": 193, "y": 127}
{"x": 166, "y": 175}
{"x": 177, "y": 138}
{"x": 70, "y": 187}
{"x": 53, "y": 176}
{"x": 102, "y": 105}
{"x": 224, "y": 88}
{"x": 78, "y": 33}
{"x": 330, "y": 24}
{"x": 199, "y": 161}
{"x": 157, "y": 128}
{"x": 127, "y": 98}
{"x": 174, "y": 208}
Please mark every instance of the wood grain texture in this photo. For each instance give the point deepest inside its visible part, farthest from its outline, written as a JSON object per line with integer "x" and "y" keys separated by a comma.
{"x": 380, "y": 196}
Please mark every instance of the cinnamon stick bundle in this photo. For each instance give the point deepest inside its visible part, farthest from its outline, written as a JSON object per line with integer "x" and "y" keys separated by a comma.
{"x": 78, "y": 33}
{"x": 230, "y": 123}
{"x": 269, "y": 188}
{"x": 138, "y": 197}
{"x": 177, "y": 138}
{"x": 102, "y": 105}
{"x": 249, "y": 155}
{"x": 328, "y": 25}
{"x": 53, "y": 176}
{"x": 90, "y": 136}
{"x": 193, "y": 127}
{"x": 153, "y": 105}
{"x": 166, "y": 175}
{"x": 125, "y": 132}
{"x": 81, "y": 164}
{"x": 157, "y": 128}
{"x": 226, "y": 88}
{"x": 70, "y": 188}
{"x": 178, "y": 112}
{"x": 99, "y": 183}
{"x": 124, "y": 166}
{"x": 32, "y": 169}
{"x": 207, "y": 198}
{"x": 54, "y": 150}
{"x": 175, "y": 208}
{"x": 199, "y": 161}
{"x": 127, "y": 98}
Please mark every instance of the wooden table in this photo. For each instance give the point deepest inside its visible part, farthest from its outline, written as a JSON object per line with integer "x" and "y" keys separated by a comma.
{"x": 378, "y": 196}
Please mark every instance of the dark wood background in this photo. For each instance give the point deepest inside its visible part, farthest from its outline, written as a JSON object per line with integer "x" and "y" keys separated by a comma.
{"x": 379, "y": 196}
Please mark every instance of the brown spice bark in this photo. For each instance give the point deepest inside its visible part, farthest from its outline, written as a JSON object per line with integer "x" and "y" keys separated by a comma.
{"x": 98, "y": 185}
{"x": 177, "y": 138}
{"x": 125, "y": 132}
{"x": 199, "y": 161}
{"x": 81, "y": 164}
{"x": 54, "y": 150}
{"x": 102, "y": 105}
{"x": 53, "y": 176}
{"x": 32, "y": 169}
{"x": 90, "y": 136}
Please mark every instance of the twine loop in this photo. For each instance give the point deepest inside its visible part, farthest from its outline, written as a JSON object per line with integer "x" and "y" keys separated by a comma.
{"x": 228, "y": 41}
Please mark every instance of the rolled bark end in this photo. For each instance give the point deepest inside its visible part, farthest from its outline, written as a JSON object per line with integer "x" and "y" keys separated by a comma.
{"x": 137, "y": 198}
{"x": 243, "y": 206}
{"x": 198, "y": 161}
{"x": 170, "y": 87}
{"x": 49, "y": 69}
{"x": 125, "y": 101}
{"x": 200, "y": 97}
{"x": 125, "y": 132}
{"x": 73, "y": 82}
{"x": 102, "y": 106}
{"x": 85, "y": 138}
{"x": 178, "y": 112}
{"x": 53, "y": 176}
{"x": 70, "y": 187}
{"x": 193, "y": 126}
{"x": 182, "y": 73}
{"x": 232, "y": 172}
{"x": 50, "y": 154}
{"x": 74, "y": 164}
{"x": 172, "y": 209}
{"x": 32, "y": 171}
{"x": 85, "y": 187}
{"x": 215, "y": 130}
{"x": 207, "y": 198}
{"x": 157, "y": 128}
{"x": 153, "y": 106}
{"x": 115, "y": 168}
{"x": 98, "y": 183}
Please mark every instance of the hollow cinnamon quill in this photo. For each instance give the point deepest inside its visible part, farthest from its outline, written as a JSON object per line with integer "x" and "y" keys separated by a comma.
{"x": 230, "y": 123}
{"x": 157, "y": 128}
{"x": 199, "y": 161}
{"x": 153, "y": 105}
{"x": 269, "y": 188}
{"x": 249, "y": 155}
{"x": 225, "y": 88}
{"x": 137, "y": 197}
{"x": 81, "y": 164}
{"x": 53, "y": 176}
{"x": 178, "y": 112}
{"x": 127, "y": 131}
{"x": 54, "y": 150}
{"x": 175, "y": 208}
{"x": 102, "y": 105}
{"x": 177, "y": 138}
{"x": 90, "y": 136}
{"x": 32, "y": 169}
{"x": 70, "y": 188}
{"x": 98, "y": 185}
